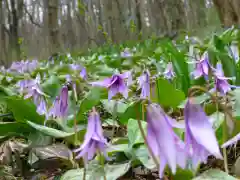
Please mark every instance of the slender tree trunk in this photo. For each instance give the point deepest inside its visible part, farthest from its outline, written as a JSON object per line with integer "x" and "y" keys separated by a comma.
{"x": 53, "y": 30}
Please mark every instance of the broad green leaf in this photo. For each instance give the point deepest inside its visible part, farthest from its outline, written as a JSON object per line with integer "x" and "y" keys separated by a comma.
{"x": 113, "y": 105}
{"x": 50, "y": 131}
{"x": 52, "y": 86}
{"x": 134, "y": 134}
{"x": 117, "y": 148}
{"x": 143, "y": 155}
{"x": 134, "y": 111}
{"x": 91, "y": 99}
{"x": 167, "y": 95}
{"x": 216, "y": 119}
{"x": 214, "y": 174}
{"x": 112, "y": 172}
{"x": 24, "y": 109}
{"x": 11, "y": 128}
{"x": 183, "y": 174}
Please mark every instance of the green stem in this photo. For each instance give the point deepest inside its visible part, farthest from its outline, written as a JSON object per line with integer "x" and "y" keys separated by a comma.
{"x": 114, "y": 118}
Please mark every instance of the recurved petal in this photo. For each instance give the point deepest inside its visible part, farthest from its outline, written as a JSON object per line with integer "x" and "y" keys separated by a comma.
{"x": 105, "y": 83}
{"x": 231, "y": 141}
{"x": 201, "y": 128}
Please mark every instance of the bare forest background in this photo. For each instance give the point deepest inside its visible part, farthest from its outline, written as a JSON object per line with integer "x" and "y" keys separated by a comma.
{"x": 38, "y": 28}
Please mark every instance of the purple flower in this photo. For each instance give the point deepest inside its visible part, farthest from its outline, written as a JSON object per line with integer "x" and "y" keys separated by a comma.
{"x": 75, "y": 67}
{"x": 54, "y": 111}
{"x": 169, "y": 73}
{"x": 202, "y": 67}
{"x": 200, "y": 138}
{"x": 31, "y": 88}
{"x": 126, "y": 53}
{"x": 94, "y": 140}
{"x": 42, "y": 107}
{"x": 115, "y": 84}
{"x": 162, "y": 140}
{"x": 83, "y": 73}
{"x": 63, "y": 102}
{"x": 231, "y": 141}
{"x": 144, "y": 84}
{"x": 221, "y": 83}
{"x": 59, "y": 108}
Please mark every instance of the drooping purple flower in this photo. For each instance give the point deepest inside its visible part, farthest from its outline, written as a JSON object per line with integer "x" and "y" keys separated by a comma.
{"x": 162, "y": 140}
{"x": 144, "y": 84}
{"x": 94, "y": 140}
{"x": 42, "y": 107}
{"x": 115, "y": 84}
{"x": 221, "y": 83}
{"x": 202, "y": 67}
{"x": 83, "y": 73}
{"x": 31, "y": 88}
{"x": 169, "y": 73}
{"x": 63, "y": 102}
{"x": 200, "y": 137}
{"x": 234, "y": 52}
{"x": 54, "y": 111}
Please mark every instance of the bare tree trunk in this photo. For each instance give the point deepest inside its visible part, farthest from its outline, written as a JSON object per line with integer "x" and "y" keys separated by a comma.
{"x": 228, "y": 11}
{"x": 53, "y": 30}
{"x": 14, "y": 46}
{"x": 3, "y": 55}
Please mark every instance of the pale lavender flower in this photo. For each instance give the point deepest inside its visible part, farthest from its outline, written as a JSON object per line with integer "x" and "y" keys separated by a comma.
{"x": 126, "y": 53}
{"x": 75, "y": 67}
{"x": 221, "y": 83}
{"x": 144, "y": 84}
{"x": 200, "y": 137}
{"x": 169, "y": 73}
{"x": 115, "y": 84}
{"x": 162, "y": 140}
{"x": 54, "y": 111}
{"x": 83, "y": 73}
{"x": 231, "y": 141}
{"x": 63, "y": 103}
{"x": 94, "y": 140}
{"x": 42, "y": 107}
{"x": 33, "y": 89}
{"x": 68, "y": 78}
{"x": 202, "y": 67}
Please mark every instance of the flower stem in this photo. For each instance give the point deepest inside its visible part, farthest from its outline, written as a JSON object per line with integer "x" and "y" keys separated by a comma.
{"x": 193, "y": 89}
{"x": 114, "y": 118}
{"x": 144, "y": 137}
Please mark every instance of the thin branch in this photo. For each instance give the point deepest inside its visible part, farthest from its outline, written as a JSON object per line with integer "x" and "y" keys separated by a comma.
{"x": 31, "y": 17}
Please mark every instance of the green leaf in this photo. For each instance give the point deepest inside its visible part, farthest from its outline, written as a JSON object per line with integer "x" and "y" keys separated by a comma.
{"x": 10, "y": 128}
{"x": 216, "y": 119}
{"x": 24, "y": 109}
{"x": 117, "y": 148}
{"x": 134, "y": 134}
{"x": 167, "y": 95}
{"x": 134, "y": 111}
{"x": 109, "y": 106}
{"x": 50, "y": 131}
{"x": 92, "y": 98}
{"x": 112, "y": 172}
{"x": 214, "y": 174}
{"x": 183, "y": 174}
{"x": 52, "y": 86}
{"x": 143, "y": 155}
